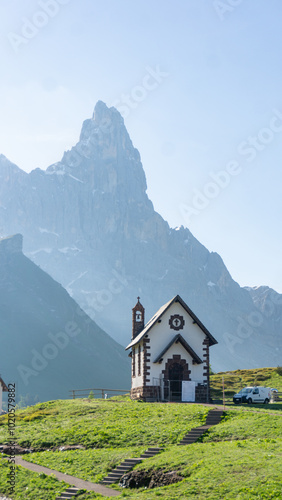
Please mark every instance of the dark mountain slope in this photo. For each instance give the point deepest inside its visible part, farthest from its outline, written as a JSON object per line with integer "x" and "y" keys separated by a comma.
{"x": 48, "y": 344}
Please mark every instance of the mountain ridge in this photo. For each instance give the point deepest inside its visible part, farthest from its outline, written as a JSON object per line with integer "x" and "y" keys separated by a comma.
{"x": 87, "y": 221}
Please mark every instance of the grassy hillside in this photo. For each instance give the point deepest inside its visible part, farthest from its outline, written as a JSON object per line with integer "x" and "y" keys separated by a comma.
{"x": 103, "y": 423}
{"x": 236, "y": 380}
{"x": 241, "y": 458}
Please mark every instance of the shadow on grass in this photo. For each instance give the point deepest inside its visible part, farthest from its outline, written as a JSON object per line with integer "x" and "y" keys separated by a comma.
{"x": 270, "y": 406}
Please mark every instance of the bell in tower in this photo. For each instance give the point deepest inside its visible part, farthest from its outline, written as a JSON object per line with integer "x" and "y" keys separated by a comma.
{"x": 138, "y": 317}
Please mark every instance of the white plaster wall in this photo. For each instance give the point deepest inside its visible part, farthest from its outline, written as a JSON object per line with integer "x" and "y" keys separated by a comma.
{"x": 161, "y": 335}
{"x": 196, "y": 370}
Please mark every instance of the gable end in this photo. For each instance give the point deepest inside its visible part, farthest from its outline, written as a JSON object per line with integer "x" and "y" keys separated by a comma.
{"x": 187, "y": 347}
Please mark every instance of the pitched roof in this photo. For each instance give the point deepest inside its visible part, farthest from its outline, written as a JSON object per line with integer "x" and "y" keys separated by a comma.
{"x": 161, "y": 312}
{"x": 4, "y": 387}
{"x": 182, "y": 341}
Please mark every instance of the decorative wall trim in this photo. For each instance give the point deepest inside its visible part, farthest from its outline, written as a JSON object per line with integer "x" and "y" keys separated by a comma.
{"x": 148, "y": 393}
{"x": 176, "y": 358}
{"x": 206, "y": 367}
{"x": 146, "y": 361}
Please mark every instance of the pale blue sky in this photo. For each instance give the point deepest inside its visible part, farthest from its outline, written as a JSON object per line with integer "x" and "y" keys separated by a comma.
{"x": 218, "y": 88}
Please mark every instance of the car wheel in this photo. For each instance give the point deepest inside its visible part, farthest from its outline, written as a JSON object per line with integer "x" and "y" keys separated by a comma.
{"x": 266, "y": 401}
{"x": 250, "y": 401}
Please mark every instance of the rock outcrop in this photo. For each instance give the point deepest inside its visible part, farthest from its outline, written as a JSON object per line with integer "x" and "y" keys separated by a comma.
{"x": 149, "y": 479}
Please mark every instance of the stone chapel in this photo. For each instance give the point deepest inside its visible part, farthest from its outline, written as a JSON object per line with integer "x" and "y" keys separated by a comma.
{"x": 170, "y": 354}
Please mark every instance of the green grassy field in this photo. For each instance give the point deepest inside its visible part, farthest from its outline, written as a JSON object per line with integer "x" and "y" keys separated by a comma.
{"x": 103, "y": 423}
{"x": 240, "y": 458}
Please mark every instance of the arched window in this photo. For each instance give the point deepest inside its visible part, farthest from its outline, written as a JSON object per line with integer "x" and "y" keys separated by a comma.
{"x": 138, "y": 316}
{"x": 133, "y": 362}
{"x": 139, "y": 360}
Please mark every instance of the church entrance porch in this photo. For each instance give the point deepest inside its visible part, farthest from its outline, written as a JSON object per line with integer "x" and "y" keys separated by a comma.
{"x": 176, "y": 371}
{"x": 173, "y": 385}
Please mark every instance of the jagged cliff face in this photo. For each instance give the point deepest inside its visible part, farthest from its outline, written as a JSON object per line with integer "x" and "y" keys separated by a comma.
{"x": 88, "y": 222}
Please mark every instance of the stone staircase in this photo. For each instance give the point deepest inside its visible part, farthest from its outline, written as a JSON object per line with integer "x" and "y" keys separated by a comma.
{"x": 69, "y": 493}
{"x": 127, "y": 465}
{"x": 213, "y": 418}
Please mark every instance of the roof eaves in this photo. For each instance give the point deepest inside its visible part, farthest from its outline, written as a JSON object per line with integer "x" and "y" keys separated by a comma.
{"x": 161, "y": 312}
{"x": 151, "y": 323}
{"x": 4, "y": 387}
{"x": 196, "y": 319}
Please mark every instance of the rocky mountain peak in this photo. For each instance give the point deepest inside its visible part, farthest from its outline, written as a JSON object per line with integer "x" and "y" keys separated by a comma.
{"x": 104, "y": 157}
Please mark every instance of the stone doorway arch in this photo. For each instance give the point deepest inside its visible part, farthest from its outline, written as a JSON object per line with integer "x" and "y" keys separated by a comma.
{"x": 176, "y": 370}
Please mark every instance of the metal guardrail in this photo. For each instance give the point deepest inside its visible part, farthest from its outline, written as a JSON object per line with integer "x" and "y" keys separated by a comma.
{"x": 276, "y": 396}
{"x": 97, "y": 393}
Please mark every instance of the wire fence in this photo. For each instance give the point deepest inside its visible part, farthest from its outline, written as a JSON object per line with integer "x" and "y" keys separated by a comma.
{"x": 97, "y": 393}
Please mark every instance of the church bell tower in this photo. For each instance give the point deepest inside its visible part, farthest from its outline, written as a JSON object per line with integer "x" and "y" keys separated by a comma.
{"x": 138, "y": 318}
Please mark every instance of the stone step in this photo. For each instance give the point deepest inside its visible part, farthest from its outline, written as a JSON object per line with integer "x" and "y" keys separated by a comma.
{"x": 111, "y": 479}
{"x": 192, "y": 436}
{"x": 148, "y": 455}
{"x": 69, "y": 493}
{"x": 189, "y": 439}
{"x": 214, "y": 415}
{"x": 213, "y": 418}
{"x": 195, "y": 432}
{"x": 65, "y": 496}
{"x": 157, "y": 450}
{"x": 131, "y": 461}
{"x": 128, "y": 464}
{"x": 107, "y": 482}
{"x": 121, "y": 468}
{"x": 111, "y": 475}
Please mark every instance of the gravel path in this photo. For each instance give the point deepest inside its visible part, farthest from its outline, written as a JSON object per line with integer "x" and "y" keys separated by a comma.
{"x": 74, "y": 481}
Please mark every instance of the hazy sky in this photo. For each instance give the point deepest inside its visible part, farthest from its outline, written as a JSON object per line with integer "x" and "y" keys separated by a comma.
{"x": 199, "y": 85}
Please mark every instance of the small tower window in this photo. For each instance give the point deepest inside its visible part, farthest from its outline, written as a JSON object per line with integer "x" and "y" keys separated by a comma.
{"x": 138, "y": 316}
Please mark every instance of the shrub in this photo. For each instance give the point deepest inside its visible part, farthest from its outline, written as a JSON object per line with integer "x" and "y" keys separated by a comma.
{"x": 279, "y": 370}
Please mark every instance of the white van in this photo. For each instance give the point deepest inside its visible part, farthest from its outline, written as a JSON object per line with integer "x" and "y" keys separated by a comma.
{"x": 253, "y": 395}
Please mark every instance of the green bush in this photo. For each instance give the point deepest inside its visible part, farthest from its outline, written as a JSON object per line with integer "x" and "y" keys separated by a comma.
{"x": 279, "y": 370}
